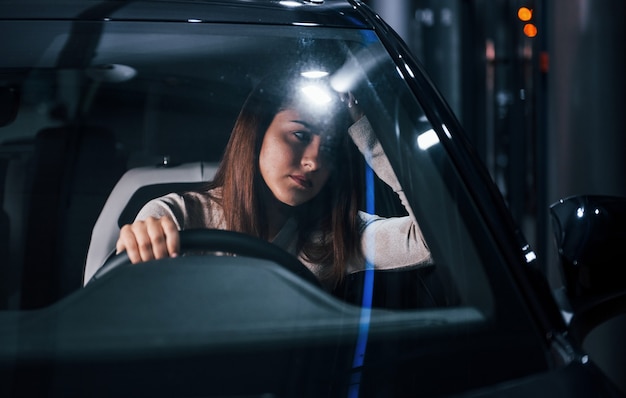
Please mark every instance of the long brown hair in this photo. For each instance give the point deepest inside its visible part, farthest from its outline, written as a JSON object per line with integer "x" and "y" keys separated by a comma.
{"x": 331, "y": 217}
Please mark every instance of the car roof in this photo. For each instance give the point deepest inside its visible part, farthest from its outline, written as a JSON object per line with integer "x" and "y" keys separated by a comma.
{"x": 338, "y": 13}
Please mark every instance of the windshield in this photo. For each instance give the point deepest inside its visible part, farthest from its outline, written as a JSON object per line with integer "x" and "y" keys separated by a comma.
{"x": 124, "y": 113}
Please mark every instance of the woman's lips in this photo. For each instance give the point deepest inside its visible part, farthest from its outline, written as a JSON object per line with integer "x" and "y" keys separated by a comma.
{"x": 302, "y": 181}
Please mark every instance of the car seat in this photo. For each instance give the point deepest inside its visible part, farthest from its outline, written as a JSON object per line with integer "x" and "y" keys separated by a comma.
{"x": 66, "y": 180}
{"x": 136, "y": 187}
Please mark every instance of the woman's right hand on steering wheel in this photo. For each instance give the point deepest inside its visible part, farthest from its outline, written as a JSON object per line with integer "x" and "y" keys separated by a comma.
{"x": 149, "y": 239}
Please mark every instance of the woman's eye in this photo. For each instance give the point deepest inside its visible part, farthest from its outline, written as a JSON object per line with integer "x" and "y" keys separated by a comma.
{"x": 302, "y": 136}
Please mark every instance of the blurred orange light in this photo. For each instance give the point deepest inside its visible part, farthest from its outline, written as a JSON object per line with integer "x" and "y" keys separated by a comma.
{"x": 525, "y": 14}
{"x": 530, "y": 30}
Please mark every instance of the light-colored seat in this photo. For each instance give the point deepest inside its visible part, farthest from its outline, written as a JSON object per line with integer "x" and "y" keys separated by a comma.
{"x": 134, "y": 188}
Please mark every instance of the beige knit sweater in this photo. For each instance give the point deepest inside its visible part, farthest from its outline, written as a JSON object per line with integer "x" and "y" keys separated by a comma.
{"x": 387, "y": 243}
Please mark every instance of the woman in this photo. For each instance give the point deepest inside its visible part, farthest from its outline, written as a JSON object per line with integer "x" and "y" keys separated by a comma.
{"x": 287, "y": 177}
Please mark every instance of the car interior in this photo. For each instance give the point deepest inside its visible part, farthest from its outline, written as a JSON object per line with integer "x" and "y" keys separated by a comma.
{"x": 80, "y": 179}
{"x": 83, "y": 148}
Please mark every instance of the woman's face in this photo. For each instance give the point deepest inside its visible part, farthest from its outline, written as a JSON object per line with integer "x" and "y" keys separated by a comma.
{"x": 294, "y": 161}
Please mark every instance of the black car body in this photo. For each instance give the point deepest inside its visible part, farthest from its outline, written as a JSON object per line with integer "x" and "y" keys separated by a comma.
{"x": 99, "y": 96}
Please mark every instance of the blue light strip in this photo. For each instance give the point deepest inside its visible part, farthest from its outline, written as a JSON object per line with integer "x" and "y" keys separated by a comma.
{"x": 366, "y": 304}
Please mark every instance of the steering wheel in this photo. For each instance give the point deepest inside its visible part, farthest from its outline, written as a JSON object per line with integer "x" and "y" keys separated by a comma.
{"x": 224, "y": 241}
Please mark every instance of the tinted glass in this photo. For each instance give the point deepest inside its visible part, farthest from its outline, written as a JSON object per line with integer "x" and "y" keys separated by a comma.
{"x": 122, "y": 98}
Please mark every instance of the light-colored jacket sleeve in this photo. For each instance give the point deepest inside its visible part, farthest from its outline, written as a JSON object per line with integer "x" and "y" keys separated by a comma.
{"x": 189, "y": 210}
{"x": 171, "y": 205}
{"x": 387, "y": 243}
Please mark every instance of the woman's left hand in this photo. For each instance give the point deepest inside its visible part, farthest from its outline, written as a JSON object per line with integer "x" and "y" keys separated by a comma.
{"x": 353, "y": 106}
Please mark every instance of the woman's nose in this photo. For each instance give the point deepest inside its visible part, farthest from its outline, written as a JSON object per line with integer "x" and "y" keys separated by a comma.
{"x": 311, "y": 157}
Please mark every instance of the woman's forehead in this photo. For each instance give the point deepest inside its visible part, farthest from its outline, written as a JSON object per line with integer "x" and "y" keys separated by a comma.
{"x": 319, "y": 123}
